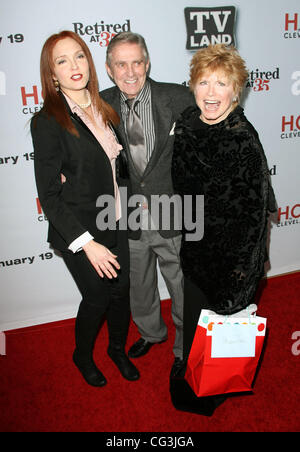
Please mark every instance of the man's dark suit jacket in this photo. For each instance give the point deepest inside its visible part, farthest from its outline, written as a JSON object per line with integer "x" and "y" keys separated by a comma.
{"x": 168, "y": 101}
{"x": 70, "y": 207}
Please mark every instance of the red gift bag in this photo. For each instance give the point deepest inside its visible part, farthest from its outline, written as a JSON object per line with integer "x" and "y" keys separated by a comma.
{"x": 208, "y": 371}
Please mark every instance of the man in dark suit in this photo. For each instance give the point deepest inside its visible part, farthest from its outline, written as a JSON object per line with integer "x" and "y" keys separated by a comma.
{"x": 148, "y": 112}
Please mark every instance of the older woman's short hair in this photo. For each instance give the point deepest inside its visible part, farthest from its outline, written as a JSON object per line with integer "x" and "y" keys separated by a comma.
{"x": 219, "y": 57}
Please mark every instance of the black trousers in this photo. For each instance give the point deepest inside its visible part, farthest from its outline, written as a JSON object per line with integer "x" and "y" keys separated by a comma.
{"x": 101, "y": 298}
{"x": 194, "y": 301}
{"x": 182, "y": 395}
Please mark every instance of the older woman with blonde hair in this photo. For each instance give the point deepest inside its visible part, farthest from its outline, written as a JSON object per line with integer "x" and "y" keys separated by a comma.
{"x": 217, "y": 153}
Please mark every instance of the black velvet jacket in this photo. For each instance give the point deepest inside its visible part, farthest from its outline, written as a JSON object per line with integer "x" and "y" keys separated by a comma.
{"x": 226, "y": 163}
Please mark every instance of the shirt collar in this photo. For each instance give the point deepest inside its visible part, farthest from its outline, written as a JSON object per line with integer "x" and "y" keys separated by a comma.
{"x": 142, "y": 97}
{"x": 73, "y": 106}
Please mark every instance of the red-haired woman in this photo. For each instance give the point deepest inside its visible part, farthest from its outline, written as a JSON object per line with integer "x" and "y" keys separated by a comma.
{"x": 74, "y": 135}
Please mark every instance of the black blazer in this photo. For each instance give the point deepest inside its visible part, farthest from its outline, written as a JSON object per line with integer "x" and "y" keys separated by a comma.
{"x": 70, "y": 207}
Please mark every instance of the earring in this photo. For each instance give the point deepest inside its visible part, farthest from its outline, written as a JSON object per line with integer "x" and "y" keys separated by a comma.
{"x": 56, "y": 84}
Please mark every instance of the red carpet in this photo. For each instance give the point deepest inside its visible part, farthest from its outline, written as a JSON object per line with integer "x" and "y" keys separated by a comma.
{"x": 42, "y": 391}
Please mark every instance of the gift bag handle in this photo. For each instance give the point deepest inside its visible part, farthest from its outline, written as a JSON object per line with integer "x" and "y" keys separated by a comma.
{"x": 249, "y": 316}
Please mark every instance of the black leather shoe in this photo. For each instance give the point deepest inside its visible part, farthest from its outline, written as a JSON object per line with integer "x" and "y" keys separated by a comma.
{"x": 89, "y": 371}
{"x": 178, "y": 368}
{"x": 140, "y": 348}
{"x": 125, "y": 366}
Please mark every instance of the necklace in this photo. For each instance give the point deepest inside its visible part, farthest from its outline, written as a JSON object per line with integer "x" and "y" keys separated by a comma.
{"x": 88, "y": 102}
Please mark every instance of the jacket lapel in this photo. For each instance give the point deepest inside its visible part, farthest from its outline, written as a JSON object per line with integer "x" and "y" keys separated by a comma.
{"x": 162, "y": 117}
{"x": 78, "y": 121}
{"x": 115, "y": 103}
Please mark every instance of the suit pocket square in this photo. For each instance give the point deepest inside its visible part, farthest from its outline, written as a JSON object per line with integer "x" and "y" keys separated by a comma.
{"x": 172, "y": 130}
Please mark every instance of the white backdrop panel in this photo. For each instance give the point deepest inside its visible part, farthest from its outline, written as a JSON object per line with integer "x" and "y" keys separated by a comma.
{"x": 35, "y": 286}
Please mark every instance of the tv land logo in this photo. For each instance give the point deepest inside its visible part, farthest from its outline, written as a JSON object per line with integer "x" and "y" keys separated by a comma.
{"x": 288, "y": 215}
{"x": 101, "y": 33}
{"x": 292, "y": 26}
{"x": 260, "y": 80}
{"x": 209, "y": 26}
{"x": 290, "y": 127}
{"x": 32, "y": 101}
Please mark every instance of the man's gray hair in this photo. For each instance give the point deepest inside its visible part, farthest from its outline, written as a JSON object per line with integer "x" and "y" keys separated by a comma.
{"x": 126, "y": 37}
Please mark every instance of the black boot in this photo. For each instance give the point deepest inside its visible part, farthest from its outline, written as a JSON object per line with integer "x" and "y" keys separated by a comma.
{"x": 117, "y": 353}
{"x": 90, "y": 372}
{"x": 118, "y": 318}
{"x": 86, "y": 330}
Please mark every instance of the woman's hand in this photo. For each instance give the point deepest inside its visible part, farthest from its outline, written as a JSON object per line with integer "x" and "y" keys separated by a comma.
{"x": 103, "y": 261}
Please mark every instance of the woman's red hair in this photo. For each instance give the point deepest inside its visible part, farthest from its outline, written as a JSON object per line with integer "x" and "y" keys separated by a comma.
{"x": 53, "y": 102}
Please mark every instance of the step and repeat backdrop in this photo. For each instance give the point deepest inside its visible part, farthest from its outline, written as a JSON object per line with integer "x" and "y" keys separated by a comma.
{"x": 35, "y": 285}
